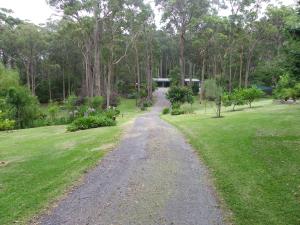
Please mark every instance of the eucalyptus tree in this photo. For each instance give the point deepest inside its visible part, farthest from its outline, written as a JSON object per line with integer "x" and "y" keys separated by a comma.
{"x": 178, "y": 14}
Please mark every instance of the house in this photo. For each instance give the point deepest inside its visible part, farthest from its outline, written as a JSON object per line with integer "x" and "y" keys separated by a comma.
{"x": 165, "y": 82}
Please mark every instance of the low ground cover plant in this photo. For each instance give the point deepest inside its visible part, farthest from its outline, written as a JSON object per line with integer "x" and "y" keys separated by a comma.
{"x": 84, "y": 123}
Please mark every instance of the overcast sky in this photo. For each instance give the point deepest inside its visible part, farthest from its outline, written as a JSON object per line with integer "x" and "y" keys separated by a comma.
{"x": 37, "y": 11}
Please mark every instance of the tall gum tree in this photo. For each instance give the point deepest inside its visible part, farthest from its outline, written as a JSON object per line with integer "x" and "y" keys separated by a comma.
{"x": 178, "y": 15}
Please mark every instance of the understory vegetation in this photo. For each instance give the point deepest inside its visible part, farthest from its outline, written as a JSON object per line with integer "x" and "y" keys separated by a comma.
{"x": 254, "y": 157}
{"x": 37, "y": 165}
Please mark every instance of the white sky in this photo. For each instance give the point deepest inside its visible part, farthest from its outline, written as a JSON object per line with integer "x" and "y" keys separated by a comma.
{"x": 37, "y": 11}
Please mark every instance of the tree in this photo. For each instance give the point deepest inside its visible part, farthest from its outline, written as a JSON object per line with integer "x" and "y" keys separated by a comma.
{"x": 178, "y": 15}
{"x": 250, "y": 94}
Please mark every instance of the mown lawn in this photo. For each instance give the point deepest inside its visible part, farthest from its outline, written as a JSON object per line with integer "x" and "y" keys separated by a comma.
{"x": 254, "y": 157}
{"x": 38, "y": 165}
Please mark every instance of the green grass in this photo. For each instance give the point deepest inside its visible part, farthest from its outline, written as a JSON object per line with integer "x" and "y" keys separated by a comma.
{"x": 254, "y": 157}
{"x": 41, "y": 163}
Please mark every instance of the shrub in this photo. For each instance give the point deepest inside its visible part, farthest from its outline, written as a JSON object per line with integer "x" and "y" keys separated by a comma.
{"x": 96, "y": 102}
{"x": 297, "y": 90}
{"x": 84, "y": 123}
{"x": 237, "y": 98}
{"x": 250, "y": 94}
{"x": 7, "y": 124}
{"x": 176, "y": 112}
{"x": 111, "y": 113}
{"x": 71, "y": 106}
{"x": 114, "y": 100}
{"x": 226, "y": 100}
{"x": 166, "y": 111}
{"x": 53, "y": 110}
{"x": 23, "y": 107}
{"x": 195, "y": 88}
{"x": 178, "y": 95}
{"x": 175, "y": 76}
{"x": 147, "y": 103}
{"x": 286, "y": 94}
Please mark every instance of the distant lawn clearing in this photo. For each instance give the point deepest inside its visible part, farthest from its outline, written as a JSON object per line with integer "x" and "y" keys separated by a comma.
{"x": 254, "y": 156}
{"x": 38, "y": 165}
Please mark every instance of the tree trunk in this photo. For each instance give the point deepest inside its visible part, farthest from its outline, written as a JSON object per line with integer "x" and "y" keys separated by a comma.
{"x": 97, "y": 70}
{"x": 149, "y": 75}
{"x": 108, "y": 83}
{"x": 49, "y": 87}
{"x": 241, "y": 68}
{"x": 202, "y": 80}
{"x": 63, "y": 83}
{"x": 161, "y": 67}
{"x": 181, "y": 56}
{"x": 138, "y": 75}
{"x": 27, "y": 65}
{"x": 230, "y": 71}
{"x": 250, "y": 54}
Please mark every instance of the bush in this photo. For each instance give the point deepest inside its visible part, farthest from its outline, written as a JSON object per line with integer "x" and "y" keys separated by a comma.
{"x": 71, "y": 106}
{"x": 227, "y": 100}
{"x": 176, "y": 112}
{"x": 96, "y": 103}
{"x": 6, "y": 124}
{"x": 286, "y": 94}
{"x": 114, "y": 100}
{"x": 84, "y": 123}
{"x": 180, "y": 95}
{"x": 111, "y": 113}
{"x": 195, "y": 88}
{"x": 297, "y": 90}
{"x": 24, "y": 108}
{"x": 166, "y": 111}
{"x": 53, "y": 110}
{"x": 147, "y": 103}
{"x": 250, "y": 94}
{"x": 237, "y": 98}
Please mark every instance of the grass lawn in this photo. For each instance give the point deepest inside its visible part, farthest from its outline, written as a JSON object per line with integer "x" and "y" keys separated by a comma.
{"x": 254, "y": 157}
{"x": 38, "y": 165}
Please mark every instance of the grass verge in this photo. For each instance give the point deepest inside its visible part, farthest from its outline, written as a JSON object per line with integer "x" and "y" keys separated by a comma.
{"x": 254, "y": 156}
{"x": 38, "y": 165}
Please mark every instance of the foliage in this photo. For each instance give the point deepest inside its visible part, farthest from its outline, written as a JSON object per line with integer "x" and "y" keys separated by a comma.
{"x": 297, "y": 90}
{"x": 237, "y": 98}
{"x": 287, "y": 88}
{"x": 53, "y": 110}
{"x": 8, "y": 79}
{"x": 6, "y": 124}
{"x": 195, "y": 88}
{"x": 177, "y": 111}
{"x": 166, "y": 111}
{"x": 97, "y": 102}
{"x": 227, "y": 99}
{"x": 84, "y": 123}
{"x": 23, "y": 107}
{"x": 71, "y": 105}
{"x": 111, "y": 113}
{"x": 214, "y": 92}
{"x": 175, "y": 76}
{"x": 212, "y": 89}
{"x": 250, "y": 94}
{"x": 180, "y": 95}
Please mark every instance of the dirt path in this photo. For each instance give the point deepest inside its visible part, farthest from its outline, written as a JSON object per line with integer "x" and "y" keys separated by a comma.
{"x": 153, "y": 177}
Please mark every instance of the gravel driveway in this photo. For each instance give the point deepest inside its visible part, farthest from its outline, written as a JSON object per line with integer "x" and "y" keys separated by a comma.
{"x": 153, "y": 177}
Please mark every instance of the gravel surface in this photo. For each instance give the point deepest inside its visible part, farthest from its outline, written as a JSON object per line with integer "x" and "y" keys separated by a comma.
{"x": 153, "y": 177}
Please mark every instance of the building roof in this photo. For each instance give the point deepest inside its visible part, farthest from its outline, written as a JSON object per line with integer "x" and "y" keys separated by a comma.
{"x": 168, "y": 80}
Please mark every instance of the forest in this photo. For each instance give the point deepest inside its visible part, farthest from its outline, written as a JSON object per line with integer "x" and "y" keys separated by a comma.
{"x": 115, "y": 48}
